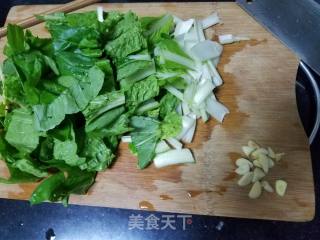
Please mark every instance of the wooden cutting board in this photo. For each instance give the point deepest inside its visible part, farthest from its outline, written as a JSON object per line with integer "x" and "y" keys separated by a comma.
{"x": 259, "y": 90}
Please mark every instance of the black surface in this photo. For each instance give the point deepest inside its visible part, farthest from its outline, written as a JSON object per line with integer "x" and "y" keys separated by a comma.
{"x": 20, "y": 221}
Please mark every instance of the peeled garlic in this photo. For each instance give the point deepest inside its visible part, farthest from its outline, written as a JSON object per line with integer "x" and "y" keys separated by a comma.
{"x": 264, "y": 161}
{"x": 243, "y": 161}
{"x": 248, "y": 150}
{"x": 255, "y": 191}
{"x": 257, "y": 163}
{"x": 245, "y": 179}
{"x": 271, "y": 163}
{"x": 253, "y": 144}
{"x": 279, "y": 156}
{"x": 258, "y": 174}
{"x": 281, "y": 187}
{"x": 266, "y": 186}
{"x": 271, "y": 153}
{"x": 258, "y": 152}
{"x": 243, "y": 169}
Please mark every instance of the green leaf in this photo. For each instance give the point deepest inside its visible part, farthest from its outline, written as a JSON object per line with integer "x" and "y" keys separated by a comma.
{"x": 145, "y": 137}
{"x": 171, "y": 125}
{"x": 27, "y": 166}
{"x": 168, "y": 104}
{"x": 16, "y": 42}
{"x": 158, "y": 27}
{"x": 72, "y": 100}
{"x": 142, "y": 91}
{"x": 98, "y": 155}
{"x": 21, "y": 132}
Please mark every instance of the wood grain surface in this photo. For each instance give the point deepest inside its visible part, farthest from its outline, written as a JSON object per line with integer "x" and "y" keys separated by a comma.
{"x": 259, "y": 90}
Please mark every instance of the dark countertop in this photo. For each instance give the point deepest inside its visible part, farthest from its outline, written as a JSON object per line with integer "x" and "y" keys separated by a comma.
{"x": 18, "y": 220}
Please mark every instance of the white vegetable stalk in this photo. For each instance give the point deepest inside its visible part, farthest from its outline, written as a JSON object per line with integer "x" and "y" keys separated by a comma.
{"x": 199, "y": 31}
{"x": 216, "y": 109}
{"x": 147, "y": 107}
{"x": 174, "y": 143}
{"x": 126, "y": 139}
{"x": 203, "y": 92}
{"x": 185, "y": 108}
{"x": 161, "y": 147}
{"x": 100, "y": 14}
{"x": 176, "y": 19}
{"x": 188, "y": 137}
{"x": 179, "y": 109}
{"x": 183, "y": 27}
{"x": 178, "y": 59}
{"x": 143, "y": 57}
{"x": 173, "y": 157}
{"x": 211, "y": 20}
{"x": 187, "y": 123}
{"x": 175, "y": 92}
{"x": 206, "y": 50}
{"x": 217, "y": 80}
{"x": 229, "y": 38}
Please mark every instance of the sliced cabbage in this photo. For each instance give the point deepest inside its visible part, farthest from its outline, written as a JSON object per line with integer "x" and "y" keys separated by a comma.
{"x": 211, "y": 20}
{"x": 172, "y": 157}
{"x": 206, "y": 50}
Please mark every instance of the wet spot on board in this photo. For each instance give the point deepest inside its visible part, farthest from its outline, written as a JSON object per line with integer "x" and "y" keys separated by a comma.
{"x": 145, "y": 205}
{"x": 221, "y": 190}
{"x": 230, "y": 176}
{"x": 165, "y": 197}
{"x": 234, "y": 156}
{"x": 300, "y": 203}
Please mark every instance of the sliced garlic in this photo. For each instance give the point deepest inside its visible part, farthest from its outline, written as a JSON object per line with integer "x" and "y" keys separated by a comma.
{"x": 243, "y": 161}
{"x": 264, "y": 161}
{"x": 245, "y": 179}
{"x": 266, "y": 186}
{"x": 271, "y": 163}
{"x": 271, "y": 153}
{"x": 255, "y": 191}
{"x": 243, "y": 169}
{"x": 258, "y": 174}
{"x": 253, "y": 144}
{"x": 281, "y": 187}
{"x": 248, "y": 150}
{"x": 279, "y": 156}
{"x": 258, "y": 152}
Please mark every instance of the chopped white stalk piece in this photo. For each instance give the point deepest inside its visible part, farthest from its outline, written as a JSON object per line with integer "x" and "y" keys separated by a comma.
{"x": 174, "y": 143}
{"x": 216, "y": 109}
{"x": 279, "y": 156}
{"x": 143, "y": 57}
{"x": 179, "y": 109}
{"x": 126, "y": 139}
{"x": 199, "y": 31}
{"x": 187, "y": 123}
{"x": 187, "y": 138}
{"x": 243, "y": 161}
{"x": 271, "y": 163}
{"x": 243, "y": 169}
{"x": 253, "y": 144}
{"x": 257, "y": 175}
{"x": 173, "y": 157}
{"x": 206, "y": 50}
{"x": 175, "y": 92}
{"x": 271, "y": 153}
{"x": 203, "y": 92}
{"x": 217, "y": 80}
{"x": 281, "y": 187}
{"x": 266, "y": 186}
{"x": 245, "y": 179}
{"x": 248, "y": 150}
{"x": 183, "y": 27}
{"x": 255, "y": 191}
{"x": 229, "y": 38}
{"x": 257, "y": 164}
{"x": 161, "y": 147}
{"x": 204, "y": 114}
{"x": 1, "y": 74}
{"x": 211, "y": 20}
{"x": 185, "y": 108}
{"x": 100, "y": 14}
{"x": 176, "y": 19}
{"x": 264, "y": 160}
{"x": 187, "y": 62}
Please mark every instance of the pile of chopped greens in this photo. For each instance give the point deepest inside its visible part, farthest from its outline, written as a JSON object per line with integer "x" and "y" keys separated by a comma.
{"x": 68, "y": 100}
